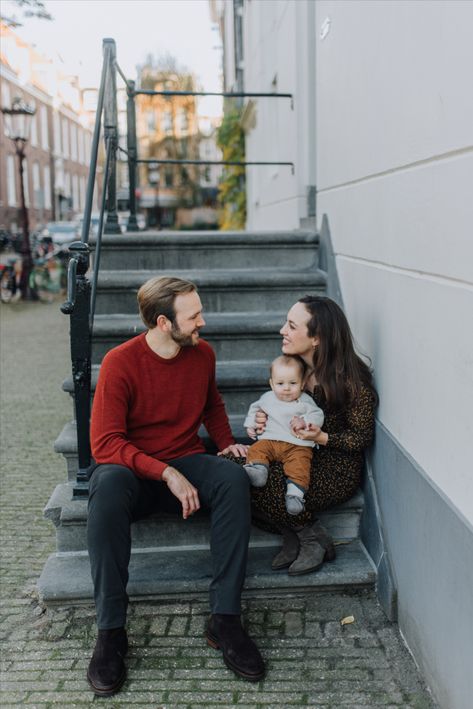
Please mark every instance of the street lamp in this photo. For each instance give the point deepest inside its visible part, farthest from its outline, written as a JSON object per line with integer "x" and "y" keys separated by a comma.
{"x": 18, "y": 133}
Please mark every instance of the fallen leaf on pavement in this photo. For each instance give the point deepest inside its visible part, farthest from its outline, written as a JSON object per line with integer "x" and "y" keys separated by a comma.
{"x": 346, "y": 621}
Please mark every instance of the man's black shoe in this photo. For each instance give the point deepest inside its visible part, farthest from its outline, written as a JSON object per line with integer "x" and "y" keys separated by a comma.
{"x": 240, "y": 654}
{"x": 107, "y": 671}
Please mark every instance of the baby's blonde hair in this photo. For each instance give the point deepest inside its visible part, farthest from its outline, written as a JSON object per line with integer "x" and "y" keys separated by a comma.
{"x": 288, "y": 361}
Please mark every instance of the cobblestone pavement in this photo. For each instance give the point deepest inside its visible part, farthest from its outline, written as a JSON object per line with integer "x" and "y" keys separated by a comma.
{"x": 312, "y": 660}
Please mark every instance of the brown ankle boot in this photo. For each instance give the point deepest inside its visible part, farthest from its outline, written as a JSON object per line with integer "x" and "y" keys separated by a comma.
{"x": 289, "y": 551}
{"x": 107, "y": 672}
{"x": 240, "y": 654}
{"x": 325, "y": 540}
{"x": 311, "y": 553}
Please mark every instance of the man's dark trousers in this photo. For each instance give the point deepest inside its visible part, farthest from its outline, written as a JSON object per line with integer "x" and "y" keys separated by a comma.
{"x": 117, "y": 497}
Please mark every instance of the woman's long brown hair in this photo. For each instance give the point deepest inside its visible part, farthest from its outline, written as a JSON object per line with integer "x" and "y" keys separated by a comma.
{"x": 339, "y": 371}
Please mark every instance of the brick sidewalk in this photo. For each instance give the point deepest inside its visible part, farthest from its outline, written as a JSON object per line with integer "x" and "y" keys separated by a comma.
{"x": 312, "y": 660}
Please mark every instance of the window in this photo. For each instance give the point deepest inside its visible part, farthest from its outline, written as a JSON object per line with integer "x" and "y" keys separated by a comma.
{"x": 183, "y": 120}
{"x": 166, "y": 122}
{"x": 151, "y": 120}
{"x": 34, "y": 131}
{"x": 57, "y": 134}
{"x": 87, "y": 146}
{"x": 73, "y": 141}
{"x": 168, "y": 178}
{"x": 37, "y": 194}
{"x": 26, "y": 185}
{"x": 82, "y": 193}
{"x": 67, "y": 184}
{"x": 11, "y": 181}
{"x": 47, "y": 187}
{"x": 44, "y": 128}
{"x": 75, "y": 193}
{"x": 6, "y": 103}
{"x": 65, "y": 138}
{"x": 80, "y": 145}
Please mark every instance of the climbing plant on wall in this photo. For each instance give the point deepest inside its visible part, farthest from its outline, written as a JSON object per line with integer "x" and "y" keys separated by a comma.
{"x": 231, "y": 190}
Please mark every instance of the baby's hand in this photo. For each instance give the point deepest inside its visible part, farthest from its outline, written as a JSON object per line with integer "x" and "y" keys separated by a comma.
{"x": 251, "y": 433}
{"x": 297, "y": 424}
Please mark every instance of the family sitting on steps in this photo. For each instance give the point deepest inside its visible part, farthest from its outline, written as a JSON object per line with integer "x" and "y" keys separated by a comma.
{"x": 144, "y": 435}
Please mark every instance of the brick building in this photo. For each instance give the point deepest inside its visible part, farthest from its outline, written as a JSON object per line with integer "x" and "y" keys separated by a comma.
{"x": 58, "y": 149}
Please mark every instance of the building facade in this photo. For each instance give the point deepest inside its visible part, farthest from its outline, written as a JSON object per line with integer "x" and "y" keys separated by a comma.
{"x": 58, "y": 148}
{"x": 169, "y": 128}
{"x": 381, "y": 135}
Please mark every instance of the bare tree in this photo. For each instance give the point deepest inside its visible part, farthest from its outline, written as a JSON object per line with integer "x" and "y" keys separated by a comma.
{"x": 29, "y": 8}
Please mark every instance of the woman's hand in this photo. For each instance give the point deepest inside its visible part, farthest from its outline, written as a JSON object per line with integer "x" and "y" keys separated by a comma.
{"x": 251, "y": 433}
{"x": 260, "y": 421}
{"x": 313, "y": 433}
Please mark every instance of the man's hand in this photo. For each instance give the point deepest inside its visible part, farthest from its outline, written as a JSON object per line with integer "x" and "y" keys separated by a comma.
{"x": 183, "y": 490}
{"x": 260, "y": 421}
{"x": 236, "y": 449}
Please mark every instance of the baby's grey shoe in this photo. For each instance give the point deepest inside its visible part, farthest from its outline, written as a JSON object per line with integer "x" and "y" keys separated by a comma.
{"x": 258, "y": 473}
{"x": 295, "y": 503}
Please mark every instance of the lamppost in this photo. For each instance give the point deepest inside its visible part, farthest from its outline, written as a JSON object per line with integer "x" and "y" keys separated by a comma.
{"x": 20, "y": 112}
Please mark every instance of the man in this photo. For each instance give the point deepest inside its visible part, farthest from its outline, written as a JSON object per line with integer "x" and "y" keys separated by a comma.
{"x": 153, "y": 393}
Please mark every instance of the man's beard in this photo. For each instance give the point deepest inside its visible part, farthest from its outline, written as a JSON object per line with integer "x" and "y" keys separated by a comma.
{"x": 181, "y": 339}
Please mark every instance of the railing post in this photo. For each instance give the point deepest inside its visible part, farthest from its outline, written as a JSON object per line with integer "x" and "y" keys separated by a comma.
{"x": 111, "y": 131}
{"x": 132, "y": 224}
{"x": 78, "y": 307}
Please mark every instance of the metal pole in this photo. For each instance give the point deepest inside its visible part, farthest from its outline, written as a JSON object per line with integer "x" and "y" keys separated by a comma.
{"x": 26, "y": 257}
{"x": 131, "y": 144}
{"x": 111, "y": 132}
{"x": 78, "y": 307}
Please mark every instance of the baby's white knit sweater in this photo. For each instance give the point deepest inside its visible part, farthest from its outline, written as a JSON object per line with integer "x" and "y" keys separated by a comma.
{"x": 280, "y": 414}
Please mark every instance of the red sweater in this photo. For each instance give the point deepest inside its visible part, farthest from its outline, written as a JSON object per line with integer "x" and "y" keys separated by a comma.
{"x": 147, "y": 410}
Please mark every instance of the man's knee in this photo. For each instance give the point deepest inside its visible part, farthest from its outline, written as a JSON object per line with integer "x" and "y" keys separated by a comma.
{"x": 112, "y": 484}
{"x": 233, "y": 479}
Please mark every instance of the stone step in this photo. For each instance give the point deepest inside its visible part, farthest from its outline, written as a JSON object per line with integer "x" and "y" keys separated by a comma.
{"x": 66, "y": 442}
{"x": 186, "y": 575}
{"x": 239, "y": 382}
{"x": 233, "y": 335}
{"x": 221, "y": 290}
{"x": 160, "y": 531}
{"x": 208, "y": 249}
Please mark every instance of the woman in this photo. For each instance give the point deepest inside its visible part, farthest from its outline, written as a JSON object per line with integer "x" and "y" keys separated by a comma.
{"x": 317, "y": 331}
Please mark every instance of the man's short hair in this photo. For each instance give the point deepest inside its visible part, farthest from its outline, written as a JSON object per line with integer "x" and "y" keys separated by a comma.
{"x": 157, "y": 296}
{"x": 288, "y": 361}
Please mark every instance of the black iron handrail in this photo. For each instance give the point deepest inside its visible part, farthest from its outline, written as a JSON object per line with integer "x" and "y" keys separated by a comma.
{"x": 81, "y": 293}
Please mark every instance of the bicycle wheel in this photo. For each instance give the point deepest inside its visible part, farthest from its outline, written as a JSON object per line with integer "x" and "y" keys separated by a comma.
{"x": 40, "y": 285}
{"x": 6, "y": 287}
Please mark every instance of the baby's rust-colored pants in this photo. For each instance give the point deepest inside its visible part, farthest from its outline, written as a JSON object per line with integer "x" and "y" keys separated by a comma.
{"x": 296, "y": 460}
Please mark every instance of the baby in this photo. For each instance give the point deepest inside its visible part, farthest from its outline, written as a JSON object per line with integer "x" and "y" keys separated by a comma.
{"x": 277, "y": 442}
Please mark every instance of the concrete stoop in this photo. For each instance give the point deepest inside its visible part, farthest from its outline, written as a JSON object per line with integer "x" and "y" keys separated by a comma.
{"x": 246, "y": 281}
{"x": 171, "y": 557}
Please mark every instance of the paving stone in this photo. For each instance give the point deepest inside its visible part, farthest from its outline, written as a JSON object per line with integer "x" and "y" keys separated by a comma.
{"x": 312, "y": 661}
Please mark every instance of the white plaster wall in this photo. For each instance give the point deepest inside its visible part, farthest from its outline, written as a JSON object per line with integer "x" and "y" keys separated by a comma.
{"x": 395, "y": 177}
{"x": 272, "y": 32}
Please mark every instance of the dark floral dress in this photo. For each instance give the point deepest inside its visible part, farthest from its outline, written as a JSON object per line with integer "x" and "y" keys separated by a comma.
{"x": 336, "y": 468}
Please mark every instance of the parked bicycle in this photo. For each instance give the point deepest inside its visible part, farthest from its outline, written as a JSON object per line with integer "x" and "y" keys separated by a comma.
{"x": 10, "y": 280}
{"x": 48, "y": 276}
